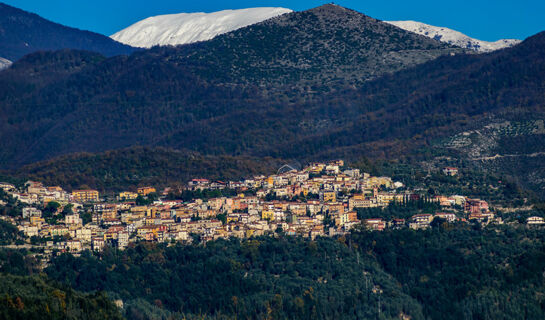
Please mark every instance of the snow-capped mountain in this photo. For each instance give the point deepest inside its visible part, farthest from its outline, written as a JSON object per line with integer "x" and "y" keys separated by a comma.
{"x": 453, "y": 37}
{"x": 4, "y": 63}
{"x": 174, "y": 29}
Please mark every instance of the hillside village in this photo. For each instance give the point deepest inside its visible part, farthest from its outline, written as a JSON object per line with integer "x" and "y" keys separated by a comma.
{"x": 322, "y": 199}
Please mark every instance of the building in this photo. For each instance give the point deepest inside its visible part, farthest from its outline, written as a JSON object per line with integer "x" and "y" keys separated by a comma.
{"x": 421, "y": 221}
{"x": 450, "y": 171}
{"x": 328, "y": 196}
{"x": 127, "y": 195}
{"x": 31, "y": 212}
{"x": 535, "y": 221}
{"x": 85, "y": 195}
{"x": 72, "y": 219}
{"x": 144, "y": 191}
{"x": 475, "y": 206}
{"x": 449, "y": 216}
{"x": 375, "y": 224}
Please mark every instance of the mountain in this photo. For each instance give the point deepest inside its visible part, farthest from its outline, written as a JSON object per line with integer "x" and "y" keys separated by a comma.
{"x": 453, "y": 37}
{"x": 310, "y": 85}
{"x": 73, "y": 101}
{"x": 23, "y": 32}
{"x": 4, "y": 63}
{"x": 182, "y": 28}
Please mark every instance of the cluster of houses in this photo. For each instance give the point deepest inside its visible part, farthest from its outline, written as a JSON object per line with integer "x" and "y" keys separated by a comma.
{"x": 320, "y": 200}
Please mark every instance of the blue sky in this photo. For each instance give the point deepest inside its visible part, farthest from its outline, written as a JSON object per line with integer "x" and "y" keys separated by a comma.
{"x": 482, "y": 19}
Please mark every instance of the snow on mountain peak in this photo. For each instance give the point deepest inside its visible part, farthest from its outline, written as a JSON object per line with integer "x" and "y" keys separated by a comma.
{"x": 174, "y": 29}
{"x": 453, "y": 37}
{"x": 4, "y": 63}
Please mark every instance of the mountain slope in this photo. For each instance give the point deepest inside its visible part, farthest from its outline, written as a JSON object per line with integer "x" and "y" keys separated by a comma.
{"x": 320, "y": 46}
{"x": 453, "y": 37}
{"x": 138, "y": 166}
{"x": 182, "y": 28}
{"x": 22, "y": 32}
{"x": 191, "y": 97}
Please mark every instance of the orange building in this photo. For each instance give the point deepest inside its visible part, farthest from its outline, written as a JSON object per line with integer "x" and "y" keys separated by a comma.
{"x": 144, "y": 191}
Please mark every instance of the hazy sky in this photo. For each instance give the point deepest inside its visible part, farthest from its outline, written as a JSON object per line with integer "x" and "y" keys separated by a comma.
{"x": 482, "y": 19}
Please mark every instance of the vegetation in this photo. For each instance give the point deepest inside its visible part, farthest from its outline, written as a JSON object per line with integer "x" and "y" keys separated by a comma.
{"x": 33, "y": 297}
{"x": 397, "y": 210}
{"x": 11, "y": 207}
{"x": 257, "y": 278}
{"x": 140, "y": 166}
{"x": 25, "y": 32}
{"x": 9, "y": 234}
{"x": 447, "y": 272}
{"x": 450, "y": 271}
{"x": 460, "y": 272}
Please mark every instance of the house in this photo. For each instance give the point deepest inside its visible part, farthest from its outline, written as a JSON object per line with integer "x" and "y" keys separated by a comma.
{"x": 450, "y": 171}
{"x": 31, "y": 212}
{"x": 74, "y": 246}
{"x": 72, "y": 219}
{"x": 398, "y": 223}
{"x": 375, "y": 224}
{"x": 535, "y": 221}
{"x": 127, "y": 195}
{"x": 420, "y": 221}
{"x": 195, "y": 184}
{"x": 485, "y": 217}
{"x": 7, "y": 187}
{"x": 476, "y": 206}
{"x": 144, "y": 191}
{"x": 328, "y": 196}
{"x": 449, "y": 216}
{"x": 98, "y": 243}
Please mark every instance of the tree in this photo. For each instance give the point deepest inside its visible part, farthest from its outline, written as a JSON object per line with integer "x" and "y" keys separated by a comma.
{"x": 68, "y": 209}
{"x": 50, "y": 209}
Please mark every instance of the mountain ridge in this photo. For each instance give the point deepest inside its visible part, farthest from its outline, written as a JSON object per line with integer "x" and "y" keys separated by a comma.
{"x": 182, "y": 28}
{"x": 24, "y": 32}
{"x": 453, "y": 37}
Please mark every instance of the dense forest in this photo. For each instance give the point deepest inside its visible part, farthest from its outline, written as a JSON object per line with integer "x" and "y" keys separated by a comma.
{"x": 258, "y": 278}
{"x": 33, "y": 297}
{"x": 448, "y": 272}
{"x": 463, "y": 272}
{"x": 142, "y": 166}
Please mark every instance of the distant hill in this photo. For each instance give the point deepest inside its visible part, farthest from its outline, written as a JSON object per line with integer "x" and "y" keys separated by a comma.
{"x": 454, "y": 37}
{"x": 23, "y": 32}
{"x": 182, "y": 28}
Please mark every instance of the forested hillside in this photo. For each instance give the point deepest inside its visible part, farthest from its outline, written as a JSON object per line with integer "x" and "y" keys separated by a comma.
{"x": 448, "y": 272}
{"x": 32, "y": 297}
{"x": 140, "y": 166}
{"x": 23, "y": 32}
{"x": 259, "y": 279}
{"x": 149, "y": 97}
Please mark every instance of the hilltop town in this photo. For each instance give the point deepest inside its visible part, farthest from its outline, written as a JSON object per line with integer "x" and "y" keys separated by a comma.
{"x": 322, "y": 199}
